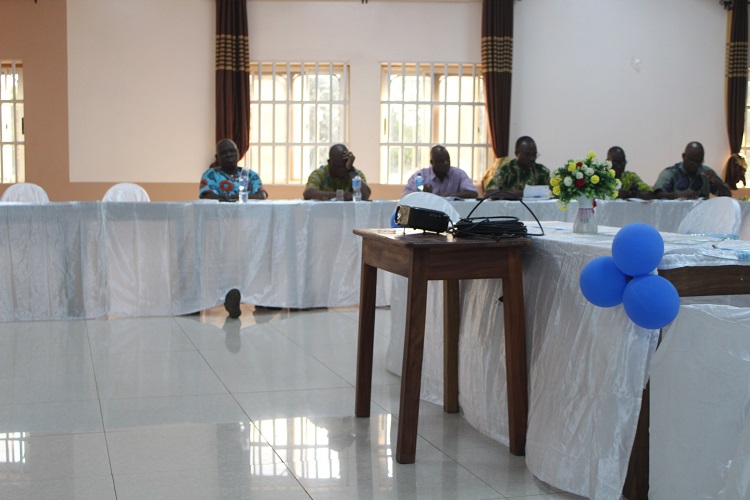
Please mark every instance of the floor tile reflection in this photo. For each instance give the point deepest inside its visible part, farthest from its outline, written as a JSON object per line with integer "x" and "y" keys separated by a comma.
{"x": 203, "y": 406}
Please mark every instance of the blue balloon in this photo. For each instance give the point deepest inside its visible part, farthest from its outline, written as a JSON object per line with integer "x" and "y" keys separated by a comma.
{"x": 651, "y": 301}
{"x": 393, "y": 220}
{"x": 637, "y": 249}
{"x": 602, "y": 283}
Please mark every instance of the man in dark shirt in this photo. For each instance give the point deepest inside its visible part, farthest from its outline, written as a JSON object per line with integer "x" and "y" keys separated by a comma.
{"x": 690, "y": 178}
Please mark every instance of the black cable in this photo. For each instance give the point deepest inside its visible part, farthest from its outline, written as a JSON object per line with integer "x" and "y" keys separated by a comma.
{"x": 497, "y": 227}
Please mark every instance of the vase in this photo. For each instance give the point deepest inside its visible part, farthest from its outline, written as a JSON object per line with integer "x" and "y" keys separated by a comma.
{"x": 585, "y": 219}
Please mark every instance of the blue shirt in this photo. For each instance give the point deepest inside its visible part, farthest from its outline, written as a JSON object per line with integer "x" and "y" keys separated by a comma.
{"x": 220, "y": 183}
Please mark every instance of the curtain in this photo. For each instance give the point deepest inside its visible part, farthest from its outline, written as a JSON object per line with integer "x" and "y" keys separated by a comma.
{"x": 497, "y": 67}
{"x": 232, "y": 73}
{"x": 736, "y": 90}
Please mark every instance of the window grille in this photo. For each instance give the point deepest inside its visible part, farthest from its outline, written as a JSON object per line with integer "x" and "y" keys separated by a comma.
{"x": 297, "y": 112}
{"x": 423, "y": 104}
{"x": 12, "y": 149}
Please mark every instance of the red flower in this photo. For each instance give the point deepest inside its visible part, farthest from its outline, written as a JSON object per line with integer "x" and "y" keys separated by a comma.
{"x": 579, "y": 164}
{"x": 579, "y": 183}
{"x": 226, "y": 186}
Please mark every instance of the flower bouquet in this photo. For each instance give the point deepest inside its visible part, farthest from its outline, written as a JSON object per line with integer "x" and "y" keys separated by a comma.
{"x": 584, "y": 180}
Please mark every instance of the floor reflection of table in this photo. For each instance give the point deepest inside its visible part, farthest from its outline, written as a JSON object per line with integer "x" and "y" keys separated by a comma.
{"x": 421, "y": 257}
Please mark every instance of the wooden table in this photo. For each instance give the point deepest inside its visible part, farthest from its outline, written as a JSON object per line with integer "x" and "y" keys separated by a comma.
{"x": 689, "y": 282}
{"x": 421, "y": 257}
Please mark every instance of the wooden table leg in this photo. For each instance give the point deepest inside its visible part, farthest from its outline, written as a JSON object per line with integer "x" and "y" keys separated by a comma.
{"x": 411, "y": 372}
{"x": 367, "y": 292}
{"x": 450, "y": 345}
{"x": 515, "y": 354}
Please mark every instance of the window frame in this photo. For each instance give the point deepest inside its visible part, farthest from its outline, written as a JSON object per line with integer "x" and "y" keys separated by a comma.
{"x": 477, "y": 142}
{"x": 13, "y": 148}
{"x": 290, "y": 148}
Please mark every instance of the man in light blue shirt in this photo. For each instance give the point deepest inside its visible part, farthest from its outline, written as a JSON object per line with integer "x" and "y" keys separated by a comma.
{"x": 442, "y": 179}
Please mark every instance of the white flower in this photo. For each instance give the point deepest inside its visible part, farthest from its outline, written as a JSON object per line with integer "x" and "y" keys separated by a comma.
{"x": 618, "y": 184}
{"x": 589, "y": 171}
{"x": 608, "y": 163}
{"x": 568, "y": 181}
{"x": 579, "y": 175}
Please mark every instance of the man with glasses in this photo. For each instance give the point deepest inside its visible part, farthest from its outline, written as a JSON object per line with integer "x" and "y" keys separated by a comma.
{"x": 690, "y": 178}
{"x": 523, "y": 170}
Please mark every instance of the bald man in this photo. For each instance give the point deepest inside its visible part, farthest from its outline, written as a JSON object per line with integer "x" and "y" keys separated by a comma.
{"x": 222, "y": 182}
{"x": 337, "y": 174}
{"x": 442, "y": 179}
{"x": 690, "y": 178}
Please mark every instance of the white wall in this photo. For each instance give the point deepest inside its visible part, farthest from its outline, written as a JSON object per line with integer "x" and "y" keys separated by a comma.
{"x": 142, "y": 87}
{"x": 647, "y": 75}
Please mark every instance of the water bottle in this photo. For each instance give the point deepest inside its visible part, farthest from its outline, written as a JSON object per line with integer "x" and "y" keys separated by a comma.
{"x": 356, "y": 188}
{"x": 419, "y": 181}
{"x": 242, "y": 186}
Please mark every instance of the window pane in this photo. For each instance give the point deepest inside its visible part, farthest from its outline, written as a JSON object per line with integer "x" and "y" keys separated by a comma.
{"x": 9, "y": 124}
{"x": 281, "y": 125}
{"x": 323, "y": 121}
{"x": 266, "y": 118}
{"x": 466, "y": 126}
{"x": 395, "y": 123}
{"x": 410, "y": 123}
{"x": 9, "y": 164}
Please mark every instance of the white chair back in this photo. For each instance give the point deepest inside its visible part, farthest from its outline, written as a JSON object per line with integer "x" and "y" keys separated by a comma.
{"x": 430, "y": 201}
{"x": 719, "y": 216}
{"x": 25, "y": 192}
{"x": 125, "y": 191}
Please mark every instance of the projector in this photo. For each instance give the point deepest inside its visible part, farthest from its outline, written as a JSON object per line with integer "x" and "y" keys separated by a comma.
{"x": 422, "y": 218}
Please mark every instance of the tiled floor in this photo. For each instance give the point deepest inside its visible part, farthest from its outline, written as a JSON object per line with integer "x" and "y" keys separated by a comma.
{"x": 208, "y": 407}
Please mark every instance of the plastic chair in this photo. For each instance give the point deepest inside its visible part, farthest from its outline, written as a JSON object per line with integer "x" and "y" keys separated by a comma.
{"x": 125, "y": 191}
{"x": 25, "y": 192}
{"x": 718, "y": 217}
{"x": 431, "y": 201}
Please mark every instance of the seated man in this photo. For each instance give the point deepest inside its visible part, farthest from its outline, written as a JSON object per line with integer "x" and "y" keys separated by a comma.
{"x": 523, "y": 170}
{"x": 222, "y": 182}
{"x": 337, "y": 174}
{"x": 690, "y": 178}
{"x": 441, "y": 178}
{"x": 632, "y": 185}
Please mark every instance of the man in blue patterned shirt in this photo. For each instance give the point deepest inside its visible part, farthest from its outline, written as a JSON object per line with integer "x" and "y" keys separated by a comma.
{"x": 222, "y": 182}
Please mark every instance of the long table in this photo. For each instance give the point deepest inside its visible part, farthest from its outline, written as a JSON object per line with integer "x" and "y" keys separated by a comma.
{"x": 92, "y": 259}
{"x": 587, "y": 365}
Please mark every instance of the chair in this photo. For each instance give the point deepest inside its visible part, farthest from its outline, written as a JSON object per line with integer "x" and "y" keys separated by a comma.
{"x": 25, "y": 192}
{"x": 431, "y": 201}
{"x": 719, "y": 217}
{"x": 125, "y": 191}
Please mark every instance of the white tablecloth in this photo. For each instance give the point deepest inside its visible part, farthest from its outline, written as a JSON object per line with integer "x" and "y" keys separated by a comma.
{"x": 700, "y": 397}
{"x": 588, "y": 365}
{"x": 90, "y": 259}
{"x": 664, "y": 215}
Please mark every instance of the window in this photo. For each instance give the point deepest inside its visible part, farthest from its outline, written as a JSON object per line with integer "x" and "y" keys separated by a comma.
{"x": 12, "y": 153}
{"x": 297, "y": 111}
{"x": 425, "y": 104}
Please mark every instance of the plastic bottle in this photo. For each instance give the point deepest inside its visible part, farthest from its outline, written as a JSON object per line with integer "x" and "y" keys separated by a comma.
{"x": 419, "y": 181}
{"x": 356, "y": 188}
{"x": 242, "y": 186}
